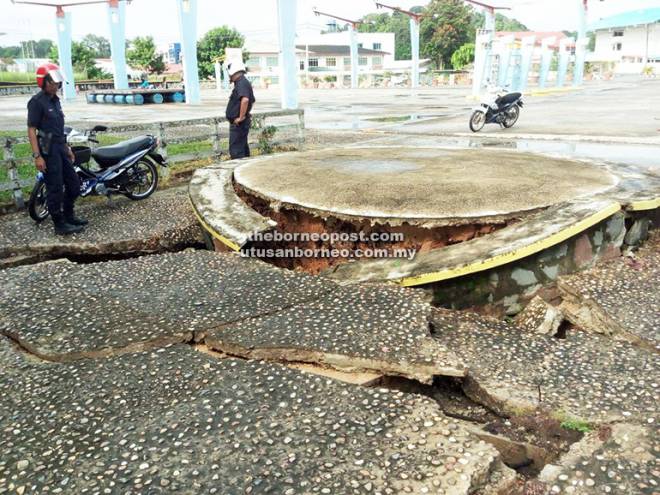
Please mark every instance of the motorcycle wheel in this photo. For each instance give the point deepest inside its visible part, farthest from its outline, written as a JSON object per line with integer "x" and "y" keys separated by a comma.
{"x": 143, "y": 181}
{"x": 511, "y": 116}
{"x": 477, "y": 121}
{"x": 37, "y": 206}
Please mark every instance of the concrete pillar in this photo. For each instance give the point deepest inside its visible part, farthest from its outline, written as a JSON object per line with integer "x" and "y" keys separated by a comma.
{"x": 527, "y": 52}
{"x": 187, "y": 10}
{"x": 63, "y": 22}
{"x": 218, "y": 76}
{"x": 117, "y": 19}
{"x": 482, "y": 53}
{"x": 354, "y": 57}
{"x": 505, "y": 59}
{"x": 286, "y": 13}
{"x": 581, "y": 44}
{"x": 564, "y": 54}
{"x": 546, "y": 58}
{"x": 414, "y": 45}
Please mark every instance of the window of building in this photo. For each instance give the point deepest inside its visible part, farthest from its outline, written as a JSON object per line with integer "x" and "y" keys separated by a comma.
{"x": 617, "y": 34}
{"x": 252, "y": 62}
{"x": 272, "y": 61}
{"x": 314, "y": 62}
{"x": 377, "y": 61}
{"x": 377, "y": 46}
{"x": 347, "y": 61}
{"x": 362, "y": 60}
{"x": 616, "y": 47}
{"x": 331, "y": 62}
{"x": 302, "y": 65}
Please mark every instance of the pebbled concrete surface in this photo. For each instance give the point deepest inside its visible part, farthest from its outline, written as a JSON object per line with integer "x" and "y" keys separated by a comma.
{"x": 583, "y": 376}
{"x": 175, "y": 420}
{"x": 615, "y": 459}
{"x": 620, "y": 298}
{"x": 64, "y": 311}
{"x": 162, "y": 222}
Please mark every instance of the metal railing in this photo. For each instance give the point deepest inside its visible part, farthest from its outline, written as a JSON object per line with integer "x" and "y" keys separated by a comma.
{"x": 219, "y": 137}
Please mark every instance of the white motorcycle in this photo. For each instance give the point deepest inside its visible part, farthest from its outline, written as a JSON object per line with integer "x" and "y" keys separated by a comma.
{"x": 502, "y": 108}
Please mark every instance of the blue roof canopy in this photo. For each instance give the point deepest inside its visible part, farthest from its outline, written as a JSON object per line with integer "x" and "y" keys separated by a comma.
{"x": 632, "y": 18}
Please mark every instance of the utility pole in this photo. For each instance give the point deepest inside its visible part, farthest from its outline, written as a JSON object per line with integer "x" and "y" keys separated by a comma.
{"x": 414, "y": 39}
{"x": 581, "y": 44}
{"x": 354, "y": 50}
{"x": 484, "y": 46}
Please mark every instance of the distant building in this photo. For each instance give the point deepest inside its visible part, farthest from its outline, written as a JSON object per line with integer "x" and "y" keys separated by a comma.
{"x": 174, "y": 53}
{"x": 628, "y": 42}
{"x": 326, "y": 58}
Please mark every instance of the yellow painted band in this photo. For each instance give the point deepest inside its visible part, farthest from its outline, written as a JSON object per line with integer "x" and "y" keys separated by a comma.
{"x": 231, "y": 245}
{"x": 502, "y": 259}
{"x": 647, "y": 204}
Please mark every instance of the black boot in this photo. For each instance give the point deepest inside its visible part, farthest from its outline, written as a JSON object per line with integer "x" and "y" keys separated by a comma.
{"x": 73, "y": 220}
{"x": 65, "y": 228}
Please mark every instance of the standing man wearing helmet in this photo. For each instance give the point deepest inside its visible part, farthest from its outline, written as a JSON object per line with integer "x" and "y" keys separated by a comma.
{"x": 51, "y": 154}
{"x": 238, "y": 111}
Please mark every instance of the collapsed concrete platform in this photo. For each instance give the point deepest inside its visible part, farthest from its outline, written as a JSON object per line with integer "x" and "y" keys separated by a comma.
{"x": 533, "y": 217}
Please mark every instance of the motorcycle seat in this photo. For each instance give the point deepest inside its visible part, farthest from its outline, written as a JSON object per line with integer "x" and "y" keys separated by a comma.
{"x": 507, "y": 99}
{"x": 106, "y": 156}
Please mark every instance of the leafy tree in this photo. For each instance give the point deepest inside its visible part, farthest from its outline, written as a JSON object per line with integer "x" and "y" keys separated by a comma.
{"x": 212, "y": 47}
{"x": 10, "y": 52}
{"x": 142, "y": 55}
{"x": 463, "y": 56}
{"x": 82, "y": 59}
{"x": 446, "y": 26}
{"x": 396, "y": 23}
{"x": 99, "y": 45}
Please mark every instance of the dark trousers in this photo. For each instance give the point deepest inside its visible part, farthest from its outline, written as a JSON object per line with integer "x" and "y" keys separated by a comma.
{"x": 62, "y": 183}
{"x": 238, "y": 139}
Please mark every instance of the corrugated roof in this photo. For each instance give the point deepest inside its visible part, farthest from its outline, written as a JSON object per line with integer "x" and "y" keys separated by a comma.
{"x": 632, "y": 18}
{"x": 338, "y": 50}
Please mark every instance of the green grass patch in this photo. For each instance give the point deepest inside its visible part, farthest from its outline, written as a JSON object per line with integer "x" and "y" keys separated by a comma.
{"x": 192, "y": 147}
{"x": 577, "y": 425}
{"x": 30, "y": 78}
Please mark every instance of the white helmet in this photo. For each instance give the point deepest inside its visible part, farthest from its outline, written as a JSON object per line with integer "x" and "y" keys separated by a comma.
{"x": 234, "y": 67}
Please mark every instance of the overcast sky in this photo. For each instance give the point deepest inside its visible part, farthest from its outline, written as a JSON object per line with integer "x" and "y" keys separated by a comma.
{"x": 256, "y": 19}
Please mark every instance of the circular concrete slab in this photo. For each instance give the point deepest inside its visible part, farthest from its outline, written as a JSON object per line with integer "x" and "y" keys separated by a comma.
{"x": 420, "y": 183}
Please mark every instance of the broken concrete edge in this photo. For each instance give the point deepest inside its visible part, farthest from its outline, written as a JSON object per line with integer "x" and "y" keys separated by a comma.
{"x": 643, "y": 205}
{"x": 339, "y": 362}
{"x": 515, "y": 255}
{"x": 590, "y": 317}
{"x": 230, "y": 244}
{"x": 102, "y": 353}
{"x": 229, "y": 201}
{"x": 514, "y": 454}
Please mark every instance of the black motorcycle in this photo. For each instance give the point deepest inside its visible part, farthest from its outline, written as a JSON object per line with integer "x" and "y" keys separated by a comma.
{"x": 504, "y": 110}
{"x": 127, "y": 168}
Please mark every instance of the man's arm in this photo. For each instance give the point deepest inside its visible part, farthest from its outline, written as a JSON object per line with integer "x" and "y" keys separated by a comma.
{"x": 245, "y": 102}
{"x": 39, "y": 162}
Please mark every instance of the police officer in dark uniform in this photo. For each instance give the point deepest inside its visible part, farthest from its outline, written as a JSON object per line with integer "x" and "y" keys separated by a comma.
{"x": 51, "y": 153}
{"x": 238, "y": 111}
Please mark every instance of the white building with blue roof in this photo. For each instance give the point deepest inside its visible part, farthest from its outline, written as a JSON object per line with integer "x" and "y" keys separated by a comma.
{"x": 629, "y": 41}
